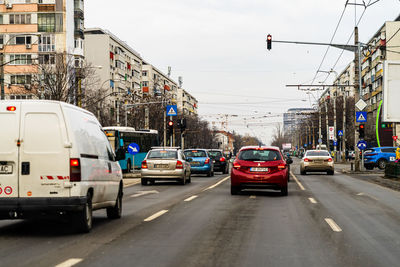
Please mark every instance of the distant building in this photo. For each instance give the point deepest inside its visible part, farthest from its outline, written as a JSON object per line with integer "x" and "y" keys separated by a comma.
{"x": 187, "y": 104}
{"x": 225, "y": 141}
{"x": 292, "y": 117}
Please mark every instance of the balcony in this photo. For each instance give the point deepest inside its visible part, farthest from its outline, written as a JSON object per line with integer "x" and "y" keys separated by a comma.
{"x": 46, "y": 7}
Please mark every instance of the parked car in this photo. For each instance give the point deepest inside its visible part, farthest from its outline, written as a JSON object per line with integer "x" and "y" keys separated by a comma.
{"x": 55, "y": 159}
{"x": 221, "y": 163}
{"x": 317, "y": 161}
{"x": 260, "y": 168}
{"x": 165, "y": 164}
{"x": 379, "y": 157}
{"x": 200, "y": 161}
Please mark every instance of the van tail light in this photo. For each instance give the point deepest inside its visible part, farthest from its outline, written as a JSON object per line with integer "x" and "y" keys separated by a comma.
{"x": 222, "y": 159}
{"x": 329, "y": 160}
{"x": 11, "y": 108}
{"x": 144, "y": 164}
{"x": 75, "y": 170}
{"x": 179, "y": 164}
{"x": 236, "y": 165}
{"x": 307, "y": 160}
{"x": 207, "y": 161}
{"x": 281, "y": 166}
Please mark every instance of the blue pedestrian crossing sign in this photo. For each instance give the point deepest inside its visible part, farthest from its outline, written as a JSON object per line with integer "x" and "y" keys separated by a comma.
{"x": 335, "y": 143}
{"x": 133, "y": 149}
{"x": 340, "y": 133}
{"x": 362, "y": 145}
{"x": 172, "y": 110}
{"x": 361, "y": 116}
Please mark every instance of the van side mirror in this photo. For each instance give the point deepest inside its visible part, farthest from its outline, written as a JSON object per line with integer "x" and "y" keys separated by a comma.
{"x": 120, "y": 154}
{"x": 289, "y": 161}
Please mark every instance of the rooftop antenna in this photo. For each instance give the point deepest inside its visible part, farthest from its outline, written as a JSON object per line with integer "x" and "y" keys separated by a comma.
{"x": 180, "y": 80}
{"x": 169, "y": 71}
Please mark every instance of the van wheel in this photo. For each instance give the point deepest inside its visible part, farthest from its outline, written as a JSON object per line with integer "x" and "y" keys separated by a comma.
{"x": 115, "y": 212}
{"x": 84, "y": 218}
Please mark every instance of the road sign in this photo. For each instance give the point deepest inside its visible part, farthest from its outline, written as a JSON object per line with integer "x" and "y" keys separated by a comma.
{"x": 133, "y": 149}
{"x": 362, "y": 145}
{"x": 361, "y": 104}
{"x": 172, "y": 110}
{"x": 340, "y": 133}
{"x": 361, "y": 116}
{"x": 334, "y": 143}
{"x": 331, "y": 133}
{"x": 395, "y": 138}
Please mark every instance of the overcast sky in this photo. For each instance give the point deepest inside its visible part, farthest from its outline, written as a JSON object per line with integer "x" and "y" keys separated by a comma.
{"x": 219, "y": 48}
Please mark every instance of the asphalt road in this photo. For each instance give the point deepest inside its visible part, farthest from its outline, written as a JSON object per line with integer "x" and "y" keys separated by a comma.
{"x": 335, "y": 221}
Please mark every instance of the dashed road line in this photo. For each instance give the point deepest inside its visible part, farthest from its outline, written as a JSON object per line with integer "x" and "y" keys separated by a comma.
{"x": 143, "y": 193}
{"x": 217, "y": 184}
{"x": 298, "y": 182}
{"x": 366, "y": 195}
{"x": 190, "y": 198}
{"x": 155, "y": 216}
{"x": 69, "y": 263}
{"x": 333, "y": 225}
{"x": 312, "y": 200}
{"x": 253, "y": 197}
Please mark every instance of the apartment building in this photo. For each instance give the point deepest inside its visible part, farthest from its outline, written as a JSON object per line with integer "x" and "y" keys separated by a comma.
{"x": 156, "y": 83}
{"x": 121, "y": 66}
{"x": 292, "y": 117}
{"x": 187, "y": 104}
{"x": 32, "y": 32}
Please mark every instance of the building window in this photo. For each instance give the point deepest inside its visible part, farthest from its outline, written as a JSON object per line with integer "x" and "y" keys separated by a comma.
{"x": 50, "y": 22}
{"x": 20, "y": 39}
{"x": 21, "y": 79}
{"x": 144, "y": 73}
{"x": 47, "y": 43}
{"x": 20, "y": 19}
{"x": 1, "y": 39}
{"x": 1, "y": 19}
{"x": 47, "y": 59}
{"x": 145, "y": 84}
{"x": 20, "y": 59}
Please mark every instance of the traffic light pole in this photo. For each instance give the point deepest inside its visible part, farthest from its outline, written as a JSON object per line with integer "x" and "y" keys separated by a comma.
{"x": 171, "y": 134}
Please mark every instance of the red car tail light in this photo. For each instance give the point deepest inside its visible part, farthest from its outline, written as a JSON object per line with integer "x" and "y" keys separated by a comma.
{"x": 179, "y": 164}
{"x": 329, "y": 160}
{"x": 222, "y": 159}
{"x": 281, "y": 166}
{"x": 207, "y": 161}
{"x": 236, "y": 165}
{"x": 75, "y": 170}
{"x": 144, "y": 164}
{"x": 11, "y": 108}
{"x": 307, "y": 160}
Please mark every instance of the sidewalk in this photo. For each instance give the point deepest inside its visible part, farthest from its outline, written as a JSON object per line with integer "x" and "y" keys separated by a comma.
{"x": 132, "y": 178}
{"x": 375, "y": 176}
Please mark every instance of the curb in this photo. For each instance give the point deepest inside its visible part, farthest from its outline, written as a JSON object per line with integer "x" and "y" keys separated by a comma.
{"x": 380, "y": 180}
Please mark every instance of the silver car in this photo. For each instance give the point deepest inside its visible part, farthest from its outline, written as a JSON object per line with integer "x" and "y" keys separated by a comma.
{"x": 165, "y": 164}
{"x": 317, "y": 161}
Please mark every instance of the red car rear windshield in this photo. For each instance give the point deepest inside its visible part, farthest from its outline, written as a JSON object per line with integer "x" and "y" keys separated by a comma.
{"x": 259, "y": 155}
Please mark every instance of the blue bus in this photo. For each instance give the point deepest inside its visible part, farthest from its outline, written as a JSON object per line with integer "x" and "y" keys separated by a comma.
{"x": 121, "y": 137}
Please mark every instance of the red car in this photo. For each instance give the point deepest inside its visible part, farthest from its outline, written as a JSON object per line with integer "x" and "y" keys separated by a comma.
{"x": 260, "y": 168}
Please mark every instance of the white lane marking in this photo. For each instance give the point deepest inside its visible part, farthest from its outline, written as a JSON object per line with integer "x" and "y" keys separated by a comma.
{"x": 69, "y": 263}
{"x": 190, "y": 198}
{"x": 333, "y": 225}
{"x": 143, "y": 193}
{"x": 253, "y": 197}
{"x": 217, "y": 184}
{"x": 156, "y": 215}
{"x": 297, "y": 181}
{"x": 312, "y": 200}
{"x": 363, "y": 194}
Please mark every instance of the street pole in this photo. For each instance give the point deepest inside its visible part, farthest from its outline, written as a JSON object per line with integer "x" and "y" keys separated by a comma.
{"x": 172, "y": 134}
{"x": 118, "y": 123}
{"x": 2, "y": 75}
{"x": 357, "y": 82}
{"x": 334, "y": 126}
{"x": 165, "y": 124}
{"x": 146, "y": 118}
{"x": 327, "y": 126}
{"x": 344, "y": 129}
{"x": 320, "y": 126}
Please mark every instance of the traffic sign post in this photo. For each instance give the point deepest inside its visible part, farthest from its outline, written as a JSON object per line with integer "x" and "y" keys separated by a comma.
{"x": 340, "y": 133}
{"x": 361, "y": 116}
{"x": 172, "y": 110}
{"x": 133, "y": 149}
{"x": 362, "y": 145}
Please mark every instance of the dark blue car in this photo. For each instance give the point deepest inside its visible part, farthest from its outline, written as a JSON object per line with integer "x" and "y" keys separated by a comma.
{"x": 200, "y": 161}
{"x": 379, "y": 157}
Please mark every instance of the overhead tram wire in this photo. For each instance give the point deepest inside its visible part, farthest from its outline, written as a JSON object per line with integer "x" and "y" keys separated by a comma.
{"x": 333, "y": 36}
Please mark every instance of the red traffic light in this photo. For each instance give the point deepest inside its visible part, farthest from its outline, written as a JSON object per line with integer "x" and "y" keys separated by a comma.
{"x": 269, "y": 37}
{"x": 361, "y": 126}
{"x": 269, "y": 41}
{"x": 170, "y": 123}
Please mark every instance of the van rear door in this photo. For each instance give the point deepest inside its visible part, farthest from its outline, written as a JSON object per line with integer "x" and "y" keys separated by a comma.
{"x": 44, "y": 152}
{"x": 9, "y": 136}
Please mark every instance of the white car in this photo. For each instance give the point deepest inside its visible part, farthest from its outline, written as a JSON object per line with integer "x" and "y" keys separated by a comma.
{"x": 55, "y": 158}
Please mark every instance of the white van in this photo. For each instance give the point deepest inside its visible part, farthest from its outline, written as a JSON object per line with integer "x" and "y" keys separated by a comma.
{"x": 55, "y": 158}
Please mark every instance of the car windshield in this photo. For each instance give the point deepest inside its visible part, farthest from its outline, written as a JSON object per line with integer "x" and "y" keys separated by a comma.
{"x": 215, "y": 154}
{"x": 317, "y": 154}
{"x": 259, "y": 155}
{"x": 163, "y": 154}
{"x": 195, "y": 153}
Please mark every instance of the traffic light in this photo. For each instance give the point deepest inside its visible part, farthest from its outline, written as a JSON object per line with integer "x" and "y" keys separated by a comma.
{"x": 170, "y": 127}
{"x": 269, "y": 41}
{"x": 361, "y": 131}
{"x": 181, "y": 124}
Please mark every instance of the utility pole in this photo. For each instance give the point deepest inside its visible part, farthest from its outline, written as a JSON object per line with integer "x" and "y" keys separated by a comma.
{"x": 165, "y": 123}
{"x": 320, "y": 126}
{"x": 327, "y": 126}
{"x": 334, "y": 126}
{"x": 344, "y": 128}
{"x": 146, "y": 118}
{"x": 357, "y": 83}
{"x": 2, "y": 75}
